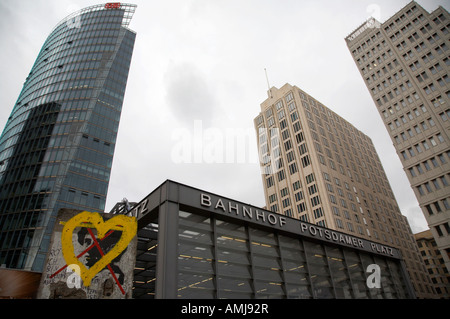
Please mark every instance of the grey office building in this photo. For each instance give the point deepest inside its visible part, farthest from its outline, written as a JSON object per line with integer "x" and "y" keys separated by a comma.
{"x": 404, "y": 62}
{"x": 57, "y": 146}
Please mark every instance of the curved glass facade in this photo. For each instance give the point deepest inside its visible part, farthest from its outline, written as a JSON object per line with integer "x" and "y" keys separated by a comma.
{"x": 57, "y": 146}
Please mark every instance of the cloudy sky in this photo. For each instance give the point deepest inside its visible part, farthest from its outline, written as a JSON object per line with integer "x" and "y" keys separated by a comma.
{"x": 197, "y": 80}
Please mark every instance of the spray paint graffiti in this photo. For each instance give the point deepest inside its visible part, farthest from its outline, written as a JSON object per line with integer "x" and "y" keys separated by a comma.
{"x": 95, "y": 249}
{"x": 86, "y": 220}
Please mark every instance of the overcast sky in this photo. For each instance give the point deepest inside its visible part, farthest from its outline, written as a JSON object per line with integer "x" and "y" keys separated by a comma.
{"x": 197, "y": 80}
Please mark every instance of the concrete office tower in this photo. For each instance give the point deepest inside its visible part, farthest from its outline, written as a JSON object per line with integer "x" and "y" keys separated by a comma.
{"x": 404, "y": 63}
{"x": 319, "y": 168}
{"x": 434, "y": 262}
{"x": 57, "y": 146}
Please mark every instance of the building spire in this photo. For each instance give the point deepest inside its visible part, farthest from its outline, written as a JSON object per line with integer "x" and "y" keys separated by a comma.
{"x": 268, "y": 86}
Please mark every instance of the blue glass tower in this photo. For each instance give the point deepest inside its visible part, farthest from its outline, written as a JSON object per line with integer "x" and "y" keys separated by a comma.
{"x": 57, "y": 146}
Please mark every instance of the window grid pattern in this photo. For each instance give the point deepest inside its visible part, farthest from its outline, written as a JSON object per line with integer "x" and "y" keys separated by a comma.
{"x": 404, "y": 63}
{"x": 220, "y": 259}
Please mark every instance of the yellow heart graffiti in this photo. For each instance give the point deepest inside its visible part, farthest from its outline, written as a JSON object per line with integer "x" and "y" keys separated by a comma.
{"x": 95, "y": 220}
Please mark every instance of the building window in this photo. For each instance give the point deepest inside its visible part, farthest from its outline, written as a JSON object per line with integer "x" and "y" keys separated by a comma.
{"x": 438, "y": 230}
{"x": 420, "y": 190}
{"x": 315, "y": 201}
{"x": 288, "y": 213}
{"x": 305, "y": 161}
{"x": 436, "y": 184}
{"x": 335, "y": 210}
{"x": 310, "y": 178}
{"x": 444, "y": 180}
{"x": 272, "y": 198}
{"x": 301, "y": 207}
{"x": 269, "y": 181}
{"x": 333, "y": 199}
{"x": 432, "y": 141}
{"x": 318, "y": 213}
{"x": 339, "y": 223}
{"x": 298, "y": 196}
{"x": 286, "y": 202}
{"x": 281, "y": 175}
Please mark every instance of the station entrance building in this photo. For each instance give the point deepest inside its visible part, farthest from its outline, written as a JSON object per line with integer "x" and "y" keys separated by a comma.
{"x": 195, "y": 244}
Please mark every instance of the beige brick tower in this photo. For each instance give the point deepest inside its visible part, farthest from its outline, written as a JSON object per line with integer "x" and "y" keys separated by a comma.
{"x": 319, "y": 168}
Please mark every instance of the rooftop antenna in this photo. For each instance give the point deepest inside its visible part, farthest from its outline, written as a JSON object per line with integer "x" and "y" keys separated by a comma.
{"x": 268, "y": 86}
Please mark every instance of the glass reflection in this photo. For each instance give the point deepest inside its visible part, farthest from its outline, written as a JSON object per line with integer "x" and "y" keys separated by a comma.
{"x": 221, "y": 259}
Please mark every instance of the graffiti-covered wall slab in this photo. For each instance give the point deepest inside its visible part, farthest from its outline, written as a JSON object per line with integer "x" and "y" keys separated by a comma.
{"x": 91, "y": 256}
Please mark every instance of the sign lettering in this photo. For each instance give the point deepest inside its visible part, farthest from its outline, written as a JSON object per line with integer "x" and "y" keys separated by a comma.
{"x": 245, "y": 211}
{"x": 331, "y": 235}
{"x": 112, "y": 5}
{"x": 261, "y": 216}
{"x": 344, "y": 239}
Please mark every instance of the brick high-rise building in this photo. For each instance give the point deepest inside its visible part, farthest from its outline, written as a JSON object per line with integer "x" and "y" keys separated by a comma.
{"x": 319, "y": 168}
{"x": 434, "y": 262}
{"x": 404, "y": 63}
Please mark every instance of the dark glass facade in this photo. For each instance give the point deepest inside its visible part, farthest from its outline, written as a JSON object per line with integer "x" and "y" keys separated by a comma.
{"x": 217, "y": 248}
{"x": 245, "y": 262}
{"x": 57, "y": 146}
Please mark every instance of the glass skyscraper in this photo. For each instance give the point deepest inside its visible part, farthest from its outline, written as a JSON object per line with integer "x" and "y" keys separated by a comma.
{"x": 57, "y": 147}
